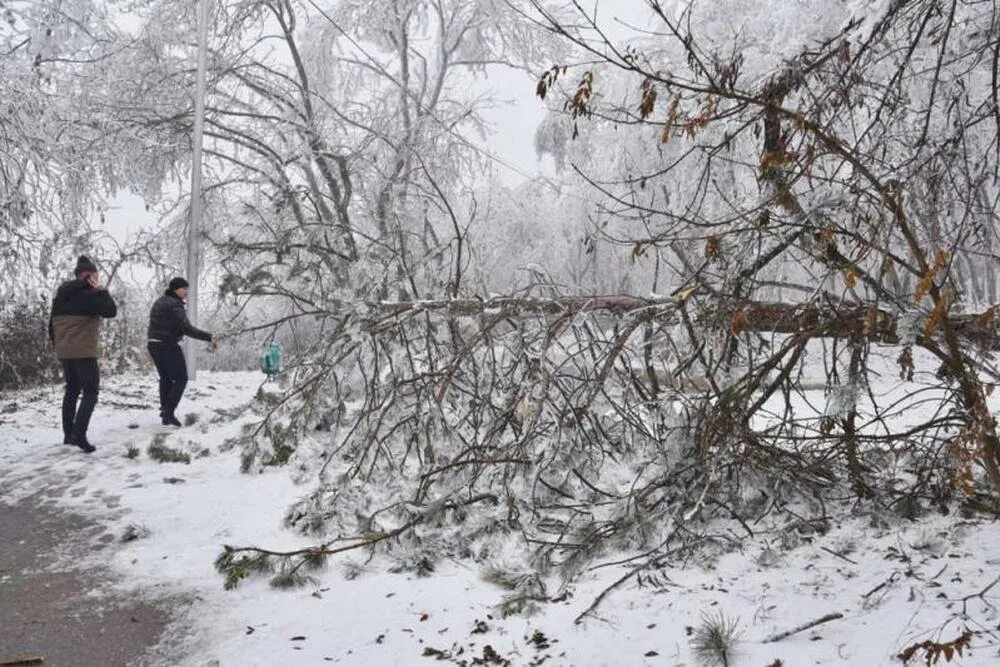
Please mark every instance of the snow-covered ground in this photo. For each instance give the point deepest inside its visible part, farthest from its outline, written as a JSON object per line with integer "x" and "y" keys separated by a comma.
{"x": 894, "y": 582}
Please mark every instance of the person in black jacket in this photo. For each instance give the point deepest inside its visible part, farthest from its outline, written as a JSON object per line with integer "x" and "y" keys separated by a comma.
{"x": 168, "y": 324}
{"x": 75, "y": 329}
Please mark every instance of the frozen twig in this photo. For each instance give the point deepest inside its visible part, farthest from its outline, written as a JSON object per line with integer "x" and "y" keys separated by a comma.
{"x": 805, "y": 626}
{"x": 885, "y": 583}
{"x": 690, "y": 514}
{"x": 981, "y": 595}
{"x": 839, "y": 555}
{"x": 618, "y": 582}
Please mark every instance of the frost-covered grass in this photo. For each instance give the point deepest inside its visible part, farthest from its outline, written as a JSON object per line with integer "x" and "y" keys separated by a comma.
{"x": 895, "y": 582}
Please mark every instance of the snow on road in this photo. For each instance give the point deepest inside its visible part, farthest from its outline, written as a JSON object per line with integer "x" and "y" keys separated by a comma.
{"x": 894, "y": 582}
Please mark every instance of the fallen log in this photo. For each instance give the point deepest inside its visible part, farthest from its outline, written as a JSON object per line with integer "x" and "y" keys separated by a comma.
{"x": 844, "y": 320}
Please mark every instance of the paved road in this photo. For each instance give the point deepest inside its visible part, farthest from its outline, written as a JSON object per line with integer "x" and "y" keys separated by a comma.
{"x": 52, "y": 609}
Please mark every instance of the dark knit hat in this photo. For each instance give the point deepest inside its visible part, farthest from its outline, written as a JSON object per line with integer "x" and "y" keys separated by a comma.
{"x": 84, "y": 264}
{"x": 177, "y": 283}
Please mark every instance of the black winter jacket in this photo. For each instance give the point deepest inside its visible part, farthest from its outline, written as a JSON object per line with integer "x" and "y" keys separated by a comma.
{"x": 168, "y": 321}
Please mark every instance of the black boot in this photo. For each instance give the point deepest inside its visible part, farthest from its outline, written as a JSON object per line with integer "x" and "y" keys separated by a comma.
{"x": 170, "y": 420}
{"x": 84, "y": 444}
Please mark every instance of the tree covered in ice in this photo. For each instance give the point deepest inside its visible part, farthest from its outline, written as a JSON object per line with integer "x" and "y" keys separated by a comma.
{"x": 90, "y": 109}
{"x": 786, "y": 194}
{"x": 851, "y": 161}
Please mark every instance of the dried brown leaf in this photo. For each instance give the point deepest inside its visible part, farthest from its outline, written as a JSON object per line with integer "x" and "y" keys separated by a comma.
{"x": 739, "y": 323}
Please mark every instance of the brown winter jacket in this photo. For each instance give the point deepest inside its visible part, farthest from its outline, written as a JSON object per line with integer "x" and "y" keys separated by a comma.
{"x": 75, "y": 324}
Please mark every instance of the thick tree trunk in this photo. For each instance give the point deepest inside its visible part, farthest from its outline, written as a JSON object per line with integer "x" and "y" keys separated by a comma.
{"x": 844, "y": 321}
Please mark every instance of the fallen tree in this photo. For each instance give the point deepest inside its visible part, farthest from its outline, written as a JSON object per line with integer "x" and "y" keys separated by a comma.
{"x": 843, "y": 319}
{"x": 537, "y": 406}
{"x": 638, "y": 430}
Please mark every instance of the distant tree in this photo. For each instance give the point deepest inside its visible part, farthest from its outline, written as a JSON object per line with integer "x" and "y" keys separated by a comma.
{"x": 74, "y": 130}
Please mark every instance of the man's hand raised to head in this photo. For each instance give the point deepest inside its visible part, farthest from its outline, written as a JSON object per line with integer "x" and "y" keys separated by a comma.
{"x": 95, "y": 282}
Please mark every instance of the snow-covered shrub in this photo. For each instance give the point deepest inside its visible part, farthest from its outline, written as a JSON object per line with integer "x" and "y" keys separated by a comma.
{"x": 26, "y": 357}
{"x": 158, "y": 450}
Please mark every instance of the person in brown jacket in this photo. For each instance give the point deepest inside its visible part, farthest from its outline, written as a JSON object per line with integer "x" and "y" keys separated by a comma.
{"x": 75, "y": 328}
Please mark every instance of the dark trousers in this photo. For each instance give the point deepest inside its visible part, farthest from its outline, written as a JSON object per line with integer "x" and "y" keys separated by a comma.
{"x": 82, "y": 377}
{"x": 170, "y": 364}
